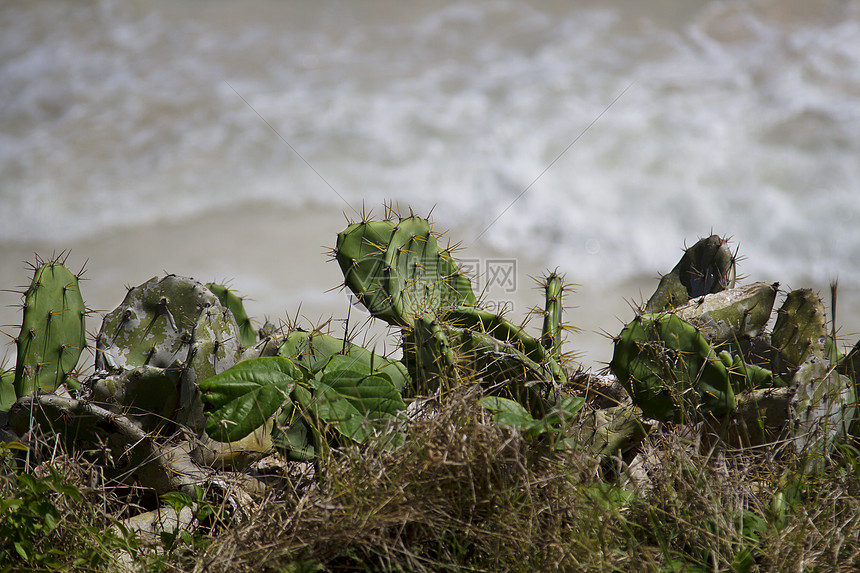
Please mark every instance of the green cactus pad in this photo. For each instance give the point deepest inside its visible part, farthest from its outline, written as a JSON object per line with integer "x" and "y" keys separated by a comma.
{"x": 505, "y": 331}
{"x": 229, "y": 299}
{"x": 706, "y": 267}
{"x": 53, "y": 330}
{"x": 397, "y": 270}
{"x": 553, "y": 286}
{"x": 823, "y": 408}
{"x": 154, "y": 325}
{"x": 215, "y": 348}
{"x": 800, "y": 331}
{"x": 428, "y": 356}
{"x": 670, "y": 370}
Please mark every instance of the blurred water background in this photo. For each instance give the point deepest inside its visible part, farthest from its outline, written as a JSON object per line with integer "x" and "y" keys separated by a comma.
{"x": 595, "y": 137}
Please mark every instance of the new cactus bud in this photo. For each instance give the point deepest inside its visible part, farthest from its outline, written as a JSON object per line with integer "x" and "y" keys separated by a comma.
{"x": 229, "y": 299}
{"x": 53, "y": 330}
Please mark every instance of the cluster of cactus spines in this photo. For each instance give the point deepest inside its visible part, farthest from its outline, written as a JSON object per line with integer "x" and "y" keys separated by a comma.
{"x": 229, "y": 299}
{"x": 53, "y": 329}
{"x": 705, "y": 268}
{"x": 670, "y": 370}
{"x": 397, "y": 270}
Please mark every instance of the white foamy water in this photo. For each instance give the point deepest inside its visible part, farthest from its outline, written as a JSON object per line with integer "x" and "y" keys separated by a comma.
{"x": 736, "y": 117}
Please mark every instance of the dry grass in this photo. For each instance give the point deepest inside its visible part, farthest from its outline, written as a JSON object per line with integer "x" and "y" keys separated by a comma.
{"x": 464, "y": 494}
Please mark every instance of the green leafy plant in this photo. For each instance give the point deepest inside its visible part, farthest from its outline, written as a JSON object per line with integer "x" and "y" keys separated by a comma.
{"x": 552, "y": 426}
{"x": 28, "y": 519}
{"x": 191, "y": 534}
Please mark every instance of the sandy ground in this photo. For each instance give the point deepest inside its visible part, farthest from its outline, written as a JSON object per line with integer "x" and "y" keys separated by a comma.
{"x": 279, "y": 260}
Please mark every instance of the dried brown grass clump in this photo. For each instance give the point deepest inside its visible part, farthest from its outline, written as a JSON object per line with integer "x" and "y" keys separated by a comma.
{"x": 466, "y": 495}
{"x": 461, "y": 494}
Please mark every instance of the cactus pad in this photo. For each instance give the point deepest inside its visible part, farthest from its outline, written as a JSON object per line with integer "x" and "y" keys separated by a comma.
{"x": 670, "y": 370}
{"x": 53, "y": 330}
{"x": 397, "y": 270}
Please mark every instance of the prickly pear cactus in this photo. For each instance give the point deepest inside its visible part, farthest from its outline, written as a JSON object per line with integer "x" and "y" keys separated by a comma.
{"x": 706, "y": 267}
{"x": 670, "y": 370}
{"x": 154, "y": 325}
{"x": 53, "y": 330}
{"x": 397, "y": 270}
{"x": 175, "y": 326}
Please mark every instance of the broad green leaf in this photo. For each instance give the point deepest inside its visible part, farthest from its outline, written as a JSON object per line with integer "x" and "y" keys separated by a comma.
{"x": 354, "y": 403}
{"x": 524, "y": 423}
{"x": 498, "y": 404}
{"x": 511, "y": 413}
{"x": 245, "y": 396}
{"x": 314, "y": 350}
{"x": 7, "y": 390}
